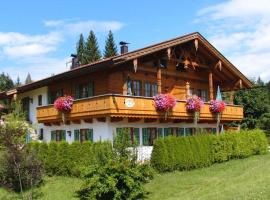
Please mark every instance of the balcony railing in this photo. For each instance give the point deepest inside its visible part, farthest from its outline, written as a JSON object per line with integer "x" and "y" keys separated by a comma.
{"x": 132, "y": 107}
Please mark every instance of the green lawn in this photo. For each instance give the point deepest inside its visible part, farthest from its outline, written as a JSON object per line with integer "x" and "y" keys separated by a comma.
{"x": 238, "y": 179}
{"x": 54, "y": 188}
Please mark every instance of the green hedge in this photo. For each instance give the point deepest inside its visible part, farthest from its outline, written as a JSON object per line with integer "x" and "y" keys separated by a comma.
{"x": 185, "y": 153}
{"x": 71, "y": 159}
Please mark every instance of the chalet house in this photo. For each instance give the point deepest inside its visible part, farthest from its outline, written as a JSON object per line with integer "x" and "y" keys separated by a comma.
{"x": 117, "y": 93}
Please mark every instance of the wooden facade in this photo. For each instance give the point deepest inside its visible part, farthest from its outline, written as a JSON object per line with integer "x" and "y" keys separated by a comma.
{"x": 182, "y": 66}
{"x": 121, "y": 106}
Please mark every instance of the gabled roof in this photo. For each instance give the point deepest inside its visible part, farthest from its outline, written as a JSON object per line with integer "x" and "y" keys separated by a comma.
{"x": 116, "y": 60}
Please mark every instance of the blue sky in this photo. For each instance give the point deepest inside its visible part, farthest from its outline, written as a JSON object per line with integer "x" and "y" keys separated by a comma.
{"x": 39, "y": 36}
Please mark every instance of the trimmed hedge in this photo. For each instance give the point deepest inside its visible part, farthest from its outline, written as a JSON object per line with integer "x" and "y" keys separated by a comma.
{"x": 185, "y": 153}
{"x": 71, "y": 159}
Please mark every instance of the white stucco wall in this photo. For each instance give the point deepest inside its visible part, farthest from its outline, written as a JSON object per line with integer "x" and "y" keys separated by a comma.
{"x": 106, "y": 130}
{"x": 33, "y": 94}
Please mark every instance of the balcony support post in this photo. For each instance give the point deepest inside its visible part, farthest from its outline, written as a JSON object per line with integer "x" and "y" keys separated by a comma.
{"x": 187, "y": 90}
{"x": 159, "y": 90}
{"x": 211, "y": 89}
{"x": 231, "y": 97}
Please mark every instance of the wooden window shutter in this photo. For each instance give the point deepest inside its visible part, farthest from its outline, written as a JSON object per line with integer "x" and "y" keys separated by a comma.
{"x": 145, "y": 136}
{"x": 91, "y": 89}
{"x": 137, "y": 135}
{"x": 77, "y": 91}
{"x": 160, "y": 133}
{"x": 90, "y": 135}
{"x": 53, "y": 135}
{"x": 63, "y": 135}
{"x": 77, "y": 135}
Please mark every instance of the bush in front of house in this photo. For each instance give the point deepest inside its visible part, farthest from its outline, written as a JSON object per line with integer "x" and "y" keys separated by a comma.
{"x": 120, "y": 178}
{"x": 185, "y": 153}
{"x": 71, "y": 159}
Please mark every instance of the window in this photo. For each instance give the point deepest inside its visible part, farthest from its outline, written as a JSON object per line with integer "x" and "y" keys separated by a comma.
{"x": 83, "y": 135}
{"x": 39, "y": 100}
{"x": 150, "y": 134}
{"x": 54, "y": 95}
{"x": 84, "y": 90}
{"x": 203, "y": 94}
{"x": 41, "y": 131}
{"x": 150, "y": 89}
{"x": 174, "y": 131}
{"x": 58, "y": 135}
{"x": 134, "y": 134}
{"x": 136, "y": 88}
{"x": 190, "y": 131}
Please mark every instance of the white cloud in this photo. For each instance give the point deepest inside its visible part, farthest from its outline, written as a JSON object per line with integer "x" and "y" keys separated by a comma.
{"x": 22, "y": 53}
{"x": 241, "y": 30}
{"x": 38, "y": 67}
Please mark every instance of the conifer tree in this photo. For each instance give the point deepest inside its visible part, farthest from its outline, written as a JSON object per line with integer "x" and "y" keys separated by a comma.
{"x": 18, "y": 82}
{"x": 28, "y": 79}
{"x": 92, "y": 52}
{"x": 6, "y": 82}
{"x": 81, "y": 50}
{"x": 110, "y": 46}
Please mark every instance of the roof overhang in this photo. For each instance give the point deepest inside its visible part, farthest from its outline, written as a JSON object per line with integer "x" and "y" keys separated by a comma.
{"x": 127, "y": 57}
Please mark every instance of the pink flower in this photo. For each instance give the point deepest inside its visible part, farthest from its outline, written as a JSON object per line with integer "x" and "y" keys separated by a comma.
{"x": 63, "y": 104}
{"x": 164, "y": 102}
{"x": 194, "y": 104}
{"x": 217, "y": 106}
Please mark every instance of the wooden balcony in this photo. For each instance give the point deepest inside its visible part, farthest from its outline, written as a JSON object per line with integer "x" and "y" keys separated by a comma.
{"x": 131, "y": 107}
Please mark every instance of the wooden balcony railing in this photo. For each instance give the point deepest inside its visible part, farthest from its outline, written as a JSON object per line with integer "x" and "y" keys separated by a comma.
{"x": 132, "y": 107}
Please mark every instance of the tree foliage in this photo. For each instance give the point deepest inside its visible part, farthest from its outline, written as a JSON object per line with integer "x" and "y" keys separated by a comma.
{"x": 21, "y": 168}
{"x": 92, "y": 52}
{"x": 6, "y": 82}
{"x": 256, "y": 102}
{"x": 28, "y": 79}
{"x": 81, "y": 50}
{"x": 110, "y": 46}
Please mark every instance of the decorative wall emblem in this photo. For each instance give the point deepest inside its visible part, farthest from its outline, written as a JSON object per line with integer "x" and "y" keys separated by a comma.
{"x": 129, "y": 102}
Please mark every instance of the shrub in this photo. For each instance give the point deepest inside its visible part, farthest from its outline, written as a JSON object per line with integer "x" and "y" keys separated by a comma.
{"x": 115, "y": 180}
{"x": 71, "y": 159}
{"x": 185, "y": 153}
{"x": 121, "y": 178}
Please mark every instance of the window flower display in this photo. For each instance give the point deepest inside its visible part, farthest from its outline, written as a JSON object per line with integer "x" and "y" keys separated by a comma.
{"x": 64, "y": 105}
{"x": 217, "y": 107}
{"x": 164, "y": 103}
{"x": 194, "y": 104}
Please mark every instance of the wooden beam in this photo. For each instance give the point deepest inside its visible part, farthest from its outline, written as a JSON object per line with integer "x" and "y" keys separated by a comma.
{"x": 150, "y": 120}
{"x": 169, "y": 53}
{"x": 211, "y": 89}
{"x": 76, "y": 121}
{"x": 88, "y": 120}
{"x": 218, "y": 65}
{"x": 231, "y": 97}
{"x": 116, "y": 119}
{"x": 196, "y": 43}
{"x": 101, "y": 119}
{"x": 187, "y": 90}
{"x": 135, "y": 65}
{"x": 159, "y": 78}
{"x": 133, "y": 119}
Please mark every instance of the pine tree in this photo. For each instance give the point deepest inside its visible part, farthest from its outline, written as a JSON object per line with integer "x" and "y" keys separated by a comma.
{"x": 110, "y": 46}
{"x": 28, "y": 79}
{"x": 92, "y": 52}
{"x": 18, "y": 82}
{"x": 6, "y": 82}
{"x": 81, "y": 50}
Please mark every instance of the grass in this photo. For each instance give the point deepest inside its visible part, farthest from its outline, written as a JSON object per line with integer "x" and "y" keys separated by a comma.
{"x": 54, "y": 188}
{"x": 238, "y": 179}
